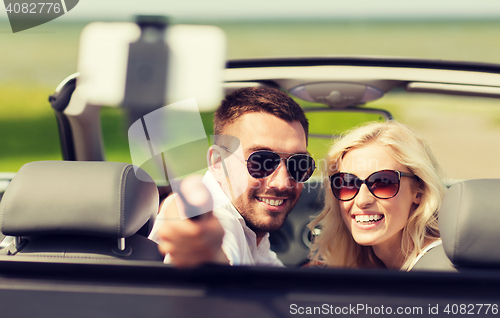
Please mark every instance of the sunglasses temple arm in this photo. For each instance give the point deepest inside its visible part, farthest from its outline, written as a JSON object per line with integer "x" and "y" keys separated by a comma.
{"x": 227, "y": 179}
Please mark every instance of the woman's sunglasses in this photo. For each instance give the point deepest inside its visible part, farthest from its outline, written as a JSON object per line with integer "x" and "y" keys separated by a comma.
{"x": 383, "y": 184}
{"x": 263, "y": 163}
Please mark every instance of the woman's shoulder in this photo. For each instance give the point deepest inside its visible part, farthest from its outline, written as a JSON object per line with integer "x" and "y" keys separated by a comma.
{"x": 433, "y": 258}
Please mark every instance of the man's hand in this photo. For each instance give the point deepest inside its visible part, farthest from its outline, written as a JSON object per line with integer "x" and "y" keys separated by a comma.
{"x": 190, "y": 242}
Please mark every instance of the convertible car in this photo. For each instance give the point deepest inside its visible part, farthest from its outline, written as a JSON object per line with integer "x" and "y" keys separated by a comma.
{"x": 76, "y": 230}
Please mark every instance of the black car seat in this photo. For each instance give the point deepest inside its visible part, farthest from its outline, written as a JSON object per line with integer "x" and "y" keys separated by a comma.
{"x": 293, "y": 240}
{"x": 80, "y": 209}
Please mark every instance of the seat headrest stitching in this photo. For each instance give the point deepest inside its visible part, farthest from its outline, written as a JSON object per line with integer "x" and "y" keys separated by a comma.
{"x": 456, "y": 242}
{"x": 6, "y": 200}
{"x": 4, "y": 207}
{"x": 127, "y": 170}
{"x": 121, "y": 194}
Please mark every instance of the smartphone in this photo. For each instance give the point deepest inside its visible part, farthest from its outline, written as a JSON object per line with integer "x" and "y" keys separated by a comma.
{"x": 195, "y": 58}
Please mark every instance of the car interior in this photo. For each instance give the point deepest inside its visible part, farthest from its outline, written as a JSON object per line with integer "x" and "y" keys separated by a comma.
{"x": 468, "y": 222}
{"x": 112, "y": 211}
{"x": 87, "y": 232}
{"x": 335, "y": 85}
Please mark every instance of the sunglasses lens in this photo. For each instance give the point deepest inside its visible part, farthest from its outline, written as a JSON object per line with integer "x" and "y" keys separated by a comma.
{"x": 345, "y": 186}
{"x": 301, "y": 167}
{"x": 261, "y": 164}
{"x": 383, "y": 184}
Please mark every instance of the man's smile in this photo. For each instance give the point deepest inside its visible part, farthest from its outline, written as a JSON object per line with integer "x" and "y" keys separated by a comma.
{"x": 271, "y": 201}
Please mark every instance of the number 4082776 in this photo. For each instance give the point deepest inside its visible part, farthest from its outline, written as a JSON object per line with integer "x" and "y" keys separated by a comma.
{"x": 471, "y": 309}
{"x": 34, "y": 8}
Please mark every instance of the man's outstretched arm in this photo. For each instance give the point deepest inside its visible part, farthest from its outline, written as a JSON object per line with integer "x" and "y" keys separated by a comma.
{"x": 188, "y": 242}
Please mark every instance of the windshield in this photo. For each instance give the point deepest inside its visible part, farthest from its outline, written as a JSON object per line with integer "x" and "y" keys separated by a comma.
{"x": 28, "y": 79}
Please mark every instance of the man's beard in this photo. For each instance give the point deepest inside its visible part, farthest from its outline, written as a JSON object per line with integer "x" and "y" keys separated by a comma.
{"x": 252, "y": 218}
{"x": 259, "y": 227}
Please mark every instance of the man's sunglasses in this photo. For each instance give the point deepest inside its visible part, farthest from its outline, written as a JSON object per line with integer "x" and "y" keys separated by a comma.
{"x": 263, "y": 163}
{"x": 383, "y": 184}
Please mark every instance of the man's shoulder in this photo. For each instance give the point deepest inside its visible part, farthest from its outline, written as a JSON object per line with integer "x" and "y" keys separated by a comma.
{"x": 228, "y": 219}
{"x": 219, "y": 198}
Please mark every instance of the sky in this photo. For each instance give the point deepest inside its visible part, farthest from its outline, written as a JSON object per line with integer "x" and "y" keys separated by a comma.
{"x": 290, "y": 8}
{"x": 268, "y": 9}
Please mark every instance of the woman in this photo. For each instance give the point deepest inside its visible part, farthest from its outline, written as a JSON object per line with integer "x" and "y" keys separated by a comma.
{"x": 384, "y": 191}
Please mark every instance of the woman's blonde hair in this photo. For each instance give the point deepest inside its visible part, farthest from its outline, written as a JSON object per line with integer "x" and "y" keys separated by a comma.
{"x": 335, "y": 245}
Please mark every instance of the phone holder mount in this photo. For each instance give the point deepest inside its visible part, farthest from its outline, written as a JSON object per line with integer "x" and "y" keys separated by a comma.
{"x": 147, "y": 68}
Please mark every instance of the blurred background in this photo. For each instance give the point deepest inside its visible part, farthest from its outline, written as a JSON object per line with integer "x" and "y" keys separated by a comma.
{"x": 35, "y": 61}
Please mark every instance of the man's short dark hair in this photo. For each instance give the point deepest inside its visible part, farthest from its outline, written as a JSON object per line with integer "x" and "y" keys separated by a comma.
{"x": 258, "y": 100}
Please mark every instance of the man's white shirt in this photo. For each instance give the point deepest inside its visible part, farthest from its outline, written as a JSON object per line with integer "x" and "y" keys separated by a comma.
{"x": 239, "y": 242}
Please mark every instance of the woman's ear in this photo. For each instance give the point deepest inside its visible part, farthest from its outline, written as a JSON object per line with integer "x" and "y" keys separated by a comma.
{"x": 418, "y": 198}
{"x": 418, "y": 188}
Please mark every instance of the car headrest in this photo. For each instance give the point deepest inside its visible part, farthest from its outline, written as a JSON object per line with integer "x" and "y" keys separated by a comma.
{"x": 97, "y": 198}
{"x": 469, "y": 222}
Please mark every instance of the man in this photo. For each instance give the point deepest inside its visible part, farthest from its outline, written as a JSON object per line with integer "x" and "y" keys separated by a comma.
{"x": 257, "y": 164}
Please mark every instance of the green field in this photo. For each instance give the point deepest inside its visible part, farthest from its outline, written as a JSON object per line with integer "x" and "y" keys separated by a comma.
{"x": 35, "y": 61}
